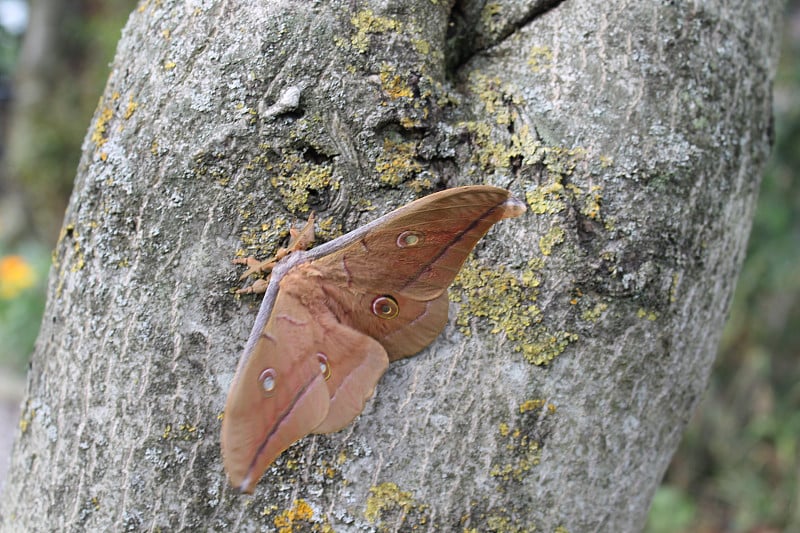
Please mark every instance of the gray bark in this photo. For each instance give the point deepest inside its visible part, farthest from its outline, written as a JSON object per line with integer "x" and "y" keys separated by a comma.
{"x": 583, "y": 333}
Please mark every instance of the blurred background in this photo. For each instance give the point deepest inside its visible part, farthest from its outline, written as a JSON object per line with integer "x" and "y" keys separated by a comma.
{"x": 738, "y": 467}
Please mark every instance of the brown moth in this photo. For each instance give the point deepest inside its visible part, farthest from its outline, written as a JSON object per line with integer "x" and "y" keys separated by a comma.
{"x": 333, "y": 317}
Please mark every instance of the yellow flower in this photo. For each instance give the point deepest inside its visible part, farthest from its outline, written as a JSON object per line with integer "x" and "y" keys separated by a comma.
{"x": 16, "y": 275}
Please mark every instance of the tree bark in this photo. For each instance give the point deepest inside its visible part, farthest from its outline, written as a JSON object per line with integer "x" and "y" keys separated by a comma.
{"x": 582, "y": 334}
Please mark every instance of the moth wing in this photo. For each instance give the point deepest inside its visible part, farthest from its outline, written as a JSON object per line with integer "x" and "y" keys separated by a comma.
{"x": 417, "y": 250}
{"x": 259, "y": 424}
{"x": 411, "y": 256}
{"x": 355, "y": 364}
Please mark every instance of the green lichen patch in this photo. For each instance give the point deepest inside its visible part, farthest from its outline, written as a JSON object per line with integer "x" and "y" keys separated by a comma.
{"x": 387, "y": 503}
{"x": 508, "y": 303}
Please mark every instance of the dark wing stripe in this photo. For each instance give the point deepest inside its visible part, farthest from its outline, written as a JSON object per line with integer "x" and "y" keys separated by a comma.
{"x": 279, "y": 421}
{"x": 458, "y": 237}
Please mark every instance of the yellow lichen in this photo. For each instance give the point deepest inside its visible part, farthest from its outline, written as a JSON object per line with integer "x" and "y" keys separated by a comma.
{"x": 80, "y": 259}
{"x": 547, "y": 345}
{"x": 262, "y": 240}
{"x": 526, "y": 146}
{"x": 169, "y": 65}
{"x": 421, "y": 46}
{"x": 553, "y": 237}
{"x": 499, "y": 523}
{"x": 297, "y": 178}
{"x": 591, "y": 202}
{"x": 387, "y": 497}
{"x": 522, "y": 451}
{"x": 494, "y": 294}
{"x": 540, "y": 58}
{"x": 101, "y": 127}
{"x": 673, "y": 290}
{"x": 546, "y": 199}
{"x": 509, "y": 306}
{"x": 25, "y": 421}
{"x": 365, "y": 23}
{"x": 649, "y": 315}
{"x": 591, "y": 315}
{"x": 490, "y": 17}
{"x": 269, "y": 509}
{"x": 530, "y": 405}
{"x": 130, "y": 109}
{"x": 488, "y": 154}
{"x": 397, "y": 163}
{"x": 393, "y": 84}
{"x": 328, "y": 229}
{"x": 300, "y": 511}
{"x": 498, "y": 98}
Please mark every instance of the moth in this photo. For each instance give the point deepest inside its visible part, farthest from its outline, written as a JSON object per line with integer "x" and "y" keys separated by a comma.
{"x": 333, "y": 317}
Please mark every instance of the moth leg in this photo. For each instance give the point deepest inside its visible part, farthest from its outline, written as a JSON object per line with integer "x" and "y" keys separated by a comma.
{"x": 301, "y": 240}
{"x": 298, "y": 240}
{"x": 255, "y": 266}
{"x": 259, "y": 286}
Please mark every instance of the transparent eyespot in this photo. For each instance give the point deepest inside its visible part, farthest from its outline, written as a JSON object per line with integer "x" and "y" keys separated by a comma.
{"x": 385, "y": 307}
{"x": 324, "y": 365}
{"x": 409, "y": 239}
{"x": 267, "y": 380}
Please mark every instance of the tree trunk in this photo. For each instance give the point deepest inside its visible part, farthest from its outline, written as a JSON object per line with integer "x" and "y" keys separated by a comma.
{"x": 582, "y": 334}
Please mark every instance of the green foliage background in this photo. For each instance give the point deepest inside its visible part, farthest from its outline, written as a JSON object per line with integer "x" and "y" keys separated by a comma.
{"x": 737, "y": 469}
